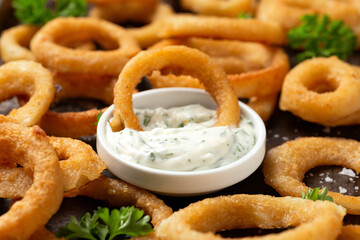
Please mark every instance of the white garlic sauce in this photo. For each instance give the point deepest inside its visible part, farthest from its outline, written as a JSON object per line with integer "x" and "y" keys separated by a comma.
{"x": 182, "y": 139}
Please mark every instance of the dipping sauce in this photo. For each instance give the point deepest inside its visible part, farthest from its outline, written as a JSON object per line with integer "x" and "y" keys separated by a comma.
{"x": 182, "y": 139}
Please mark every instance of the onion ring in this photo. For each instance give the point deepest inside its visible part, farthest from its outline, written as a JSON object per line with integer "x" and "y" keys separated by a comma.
{"x": 230, "y": 8}
{"x": 79, "y": 164}
{"x": 15, "y": 42}
{"x": 148, "y": 35}
{"x": 46, "y": 49}
{"x": 350, "y": 232}
{"x": 264, "y": 106}
{"x": 324, "y": 91}
{"x": 253, "y": 69}
{"x": 27, "y": 78}
{"x": 321, "y": 219}
{"x": 285, "y": 166}
{"x": 32, "y": 150}
{"x": 178, "y": 58}
{"x": 118, "y": 193}
{"x": 124, "y": 10}
{"x": 288, "y": 12}
{"x": 252, "y": 30}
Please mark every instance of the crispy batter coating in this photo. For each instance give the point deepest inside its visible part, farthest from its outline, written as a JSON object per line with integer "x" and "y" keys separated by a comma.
{"x": 285, "y": 165}
{"x": 312, "y": 220}
{"x": 31, "y": 79}
{"x": 324, "y": 91}
{"x": 30, "y": 148}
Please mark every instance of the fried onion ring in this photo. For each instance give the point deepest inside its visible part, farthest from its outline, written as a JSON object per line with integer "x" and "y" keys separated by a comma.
{"x": 79, "y": 164}
{"x": 118, "y": 193}
{"x": 31, "y": 79}
{"x": 15, "y": 42}
{"x": 78, "y": 124}
{"x": 46, "y": 49}
{"x": 148, "y": 35}
{"x": 32, "y": 150}
{"x": 124, "y": 10}
{"x": 285, "y": 165}
{"x": 321, "y": 219}
{"x": 324, "y": 91}
{"x": 253, "y": 69}
{"x": 176, "y": 58}
{"x": 231, "y": 8}
{"x": 288, "y": 12}
{"x": 252, "y": 30}
{"x": 350, "y": 232}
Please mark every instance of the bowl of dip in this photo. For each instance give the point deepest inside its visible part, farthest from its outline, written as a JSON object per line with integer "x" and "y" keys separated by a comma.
{"x": 179, "y": 153}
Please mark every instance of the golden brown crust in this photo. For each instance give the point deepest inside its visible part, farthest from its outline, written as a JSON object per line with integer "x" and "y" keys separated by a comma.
{"x": 285, "y": 165}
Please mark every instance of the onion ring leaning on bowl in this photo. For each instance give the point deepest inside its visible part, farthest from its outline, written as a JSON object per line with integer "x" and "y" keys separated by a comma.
{"x": 285, "y": 165}
{"x": 230, "y": 8}
{"x": 324, "y": 91}
{"x": 32, "y": 150}
{"x": 31, "y": 79}
{"x": 177, "y": 58}
{"x": 252, "y": 30}
{"x": 47, "y": 50}
{"x": 320, "y": 220}
{"x": 79, "y": 164}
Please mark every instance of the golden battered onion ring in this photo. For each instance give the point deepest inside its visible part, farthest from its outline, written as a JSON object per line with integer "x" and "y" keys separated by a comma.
{"x": 46, "y": 49}
{"x": 350, "y": 232}
{"x": 264, "y": 106}
{"x": 252, "y": 30}
{"x": 79, "y": 164}
{"x": 124, "y": 10}
{"x": 288, "y": 12}
{"x": 31, "y": 79}
{"x": 285, "y": 165}
{"x": 324, "y": 91}
{"x": 78, "y": 124}
{"x": 15, "y": 43}
{"x": 118, "y": 193}
{"x": 148, "y": 35}
{"x": 32, "y": 150}
{"x": 178, "y": 58}
{"x": 253, "y": 69}
{"x": 231, "y": 8}
{"x": 321, "y": 219}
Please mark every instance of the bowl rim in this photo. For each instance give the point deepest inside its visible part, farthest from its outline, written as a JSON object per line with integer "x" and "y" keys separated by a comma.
{"x": 259, "y": 126}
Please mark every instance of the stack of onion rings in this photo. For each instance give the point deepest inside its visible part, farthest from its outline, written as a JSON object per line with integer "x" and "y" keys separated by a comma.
{"x": 32, "y": 150}
{"x": 47, "y": 50}
{"x": 30, "y": 79}
{"x": 321, "y": 219}
{"x": 232, "y": 8}
{"x": 173, "y": 57}
{"x": 324, "y": 91}
{"x": 288, "y": 12}
{"x": 255, "y": 71}
{"x": 252, "y": 30}
{"x": 120, "y": 11}
{"x": 285, "y": 166}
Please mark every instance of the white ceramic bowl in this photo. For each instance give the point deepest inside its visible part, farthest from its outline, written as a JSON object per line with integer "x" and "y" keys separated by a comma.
{"x": 181, "y": 183}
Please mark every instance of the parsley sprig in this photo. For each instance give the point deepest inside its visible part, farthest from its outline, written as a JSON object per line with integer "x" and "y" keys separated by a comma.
{"x": 98, "y": 116}
{"x": 123, "y": 222}
{"x": 245, "y": 15}
{"x": 315, "y": 195}
{"x": 321, "y": 36}
{"x": 36, "y": 12}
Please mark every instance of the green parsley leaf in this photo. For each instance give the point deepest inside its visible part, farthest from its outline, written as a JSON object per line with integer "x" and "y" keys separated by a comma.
{"x": 322, "y": 37}
{"x": 98, "y": 116}
{"x": 315, "y": 195}
{"x": 245, "y": 15}
{"x": 123, "y": 222}
{"x": 36, "y": 12}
